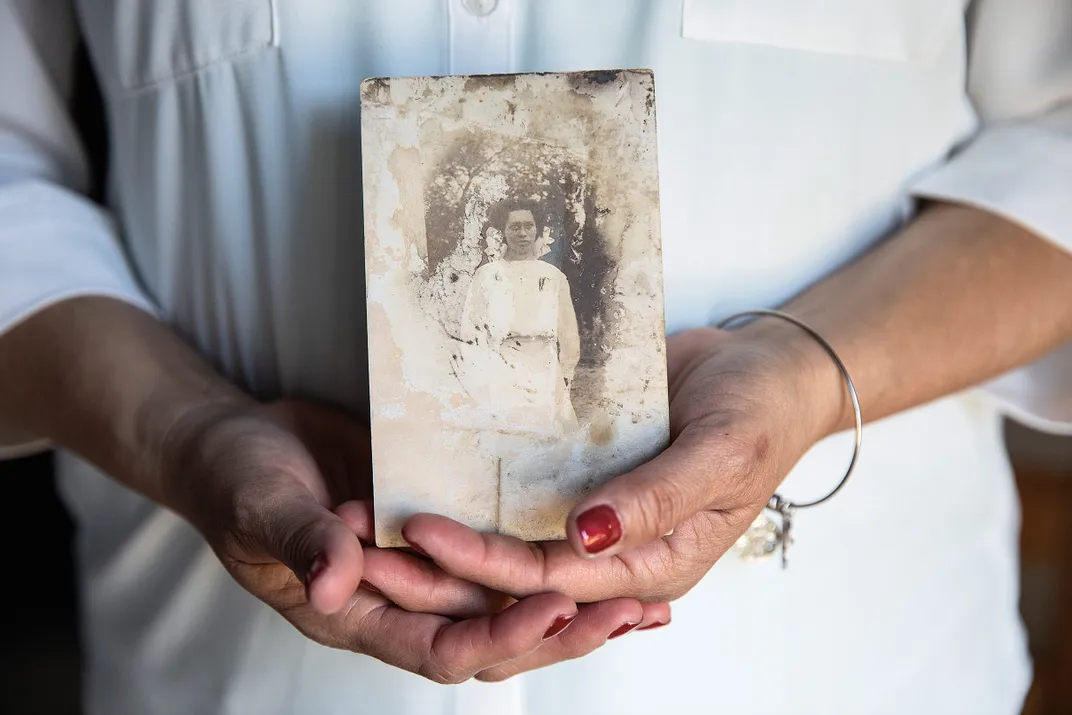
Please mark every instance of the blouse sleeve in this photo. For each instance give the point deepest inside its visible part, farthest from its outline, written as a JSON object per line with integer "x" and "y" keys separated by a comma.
{"x": 55, "y": 243}
{"x": 569, "y": 340}
{"x": 1018, "y": 164}
{"x": 473, "y": 327}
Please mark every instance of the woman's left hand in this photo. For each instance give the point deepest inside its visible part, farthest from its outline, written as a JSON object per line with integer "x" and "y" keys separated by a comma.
{"x": 744, "y": 408}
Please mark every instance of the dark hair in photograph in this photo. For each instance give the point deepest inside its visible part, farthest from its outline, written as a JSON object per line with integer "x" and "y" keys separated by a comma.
{"x": 501, "y": 211}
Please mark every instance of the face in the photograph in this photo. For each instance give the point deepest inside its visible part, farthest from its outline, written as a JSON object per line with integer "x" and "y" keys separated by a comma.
{"x": 520, "y": 235}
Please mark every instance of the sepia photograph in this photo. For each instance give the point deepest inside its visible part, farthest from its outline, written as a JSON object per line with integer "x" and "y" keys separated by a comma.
{"x": 515, "y": 298}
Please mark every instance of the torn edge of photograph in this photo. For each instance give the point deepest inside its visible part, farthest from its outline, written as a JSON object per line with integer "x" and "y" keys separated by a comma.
{"x": 516, "y": 326}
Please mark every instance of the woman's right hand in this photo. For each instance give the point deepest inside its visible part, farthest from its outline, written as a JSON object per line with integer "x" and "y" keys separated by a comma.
{"x": 279, "y": 493}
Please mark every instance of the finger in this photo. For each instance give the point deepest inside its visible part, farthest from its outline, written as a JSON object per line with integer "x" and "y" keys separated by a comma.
{"x": 447, "y": 652}
{"x": 512, "y": 566}
{"x": 651, "y": 501}
{"x": 688, "y": 348}
{"x": 358, "y": 516}
{"x": 418, "y": 585}
{"x": 656, "y": 615}
{"x": 318, "y": 546}
{"x": 594, "y": 625}
{"x": 342, "y": 449}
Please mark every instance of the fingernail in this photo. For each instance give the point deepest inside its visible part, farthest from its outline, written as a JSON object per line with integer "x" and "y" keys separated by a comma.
{"x": 599, "y": 528}
{"x": 369, "y": 587}
{"x": 626, "y": 628}
{"x": 414, "y": 545}
{"x": 561, "y": 623}
{"x": 657, "y": 624}
{"x": 319, "y": 564}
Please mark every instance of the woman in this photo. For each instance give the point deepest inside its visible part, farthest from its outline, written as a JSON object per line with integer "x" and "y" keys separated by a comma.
{"x": 794, "y": 140}
{"x": 523, "y": 348}
{"x": 519, "y": 308}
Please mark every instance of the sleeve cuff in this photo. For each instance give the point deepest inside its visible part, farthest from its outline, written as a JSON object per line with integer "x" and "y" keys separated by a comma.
{"x": 1040, "y": 394}
{"x": 1023, "y": 173}
{"x": 55, "y": 245}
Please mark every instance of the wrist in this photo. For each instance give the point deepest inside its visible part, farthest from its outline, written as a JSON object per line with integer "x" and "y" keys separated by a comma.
{"x": 811, "y": 375}
{"x": 167, "y": 426}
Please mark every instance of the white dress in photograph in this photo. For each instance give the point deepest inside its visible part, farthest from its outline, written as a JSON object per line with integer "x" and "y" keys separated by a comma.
{"x": 522, "y": 315}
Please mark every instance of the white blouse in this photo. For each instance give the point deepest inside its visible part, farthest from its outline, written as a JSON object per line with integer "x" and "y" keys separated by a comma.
{"x": 793, "y": 135}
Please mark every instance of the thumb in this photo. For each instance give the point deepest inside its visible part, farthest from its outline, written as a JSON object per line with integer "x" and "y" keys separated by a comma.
{"x": 316, "y": 544}
{"x": 649, "y": 502}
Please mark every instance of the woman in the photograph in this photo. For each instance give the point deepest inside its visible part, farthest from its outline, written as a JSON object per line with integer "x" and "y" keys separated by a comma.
{"x": 519, "y": 309}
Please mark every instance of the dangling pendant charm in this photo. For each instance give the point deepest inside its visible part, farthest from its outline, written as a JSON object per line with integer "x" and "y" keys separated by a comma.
{"x": 785, "y": 533}
{"x": 760, "y": 541}
{"x": 765, "y": 535}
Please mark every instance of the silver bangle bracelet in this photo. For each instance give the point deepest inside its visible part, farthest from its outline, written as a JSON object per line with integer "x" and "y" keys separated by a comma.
{"x": 764, "y": 537}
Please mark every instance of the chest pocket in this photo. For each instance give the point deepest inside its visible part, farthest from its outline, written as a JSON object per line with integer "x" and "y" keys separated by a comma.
{"x": 900, "y": 30}
{"x": 156, "y": 41}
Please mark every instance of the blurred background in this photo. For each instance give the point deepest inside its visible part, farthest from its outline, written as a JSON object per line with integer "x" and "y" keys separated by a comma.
{"x": 40, "y": 659}
{"x": 1043, "y": 466}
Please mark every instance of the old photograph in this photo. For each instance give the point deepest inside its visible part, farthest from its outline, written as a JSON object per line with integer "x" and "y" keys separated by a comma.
{"x": 515, "y": 297}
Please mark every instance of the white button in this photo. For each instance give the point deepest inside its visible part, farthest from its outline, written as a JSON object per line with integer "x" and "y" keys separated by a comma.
{"x": 480, "y": 8}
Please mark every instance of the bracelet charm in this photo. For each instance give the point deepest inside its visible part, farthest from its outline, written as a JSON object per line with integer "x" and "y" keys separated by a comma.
{"x": 766, "y": 535}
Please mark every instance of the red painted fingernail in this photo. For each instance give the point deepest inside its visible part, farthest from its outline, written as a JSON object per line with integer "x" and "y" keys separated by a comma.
{"x": 657, "y": 624}
{"x": 626, "y": 628}
{"x": 369, "y": 587}
{"x": 319, "y": 564}
{"x": 561, "y": 623}
{"x": 599, "y": 528}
